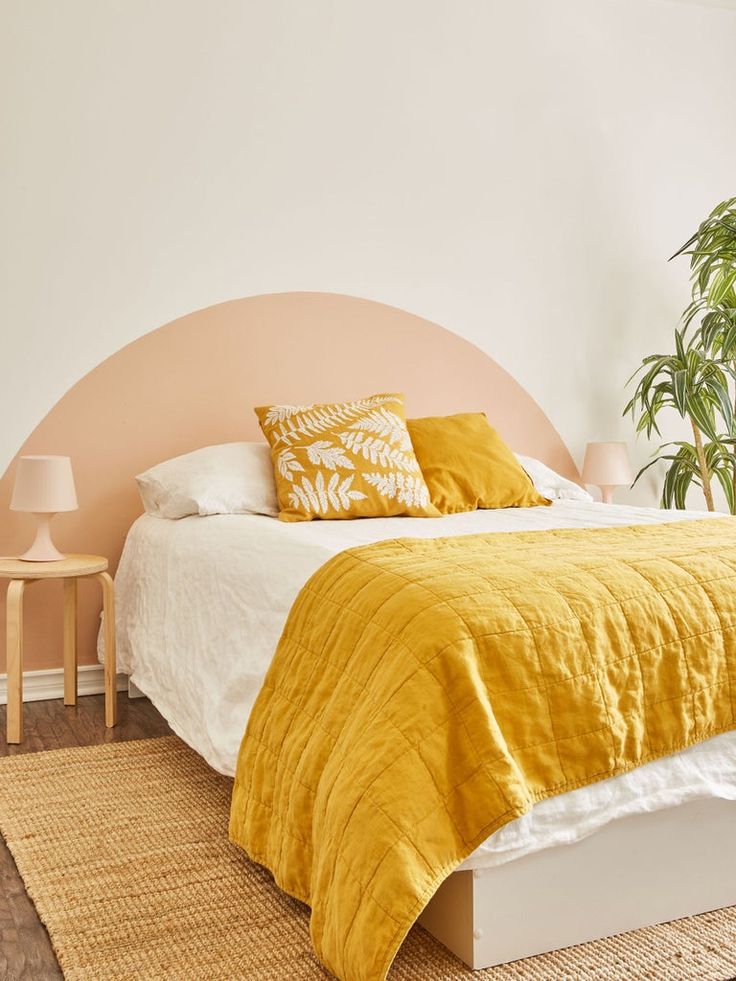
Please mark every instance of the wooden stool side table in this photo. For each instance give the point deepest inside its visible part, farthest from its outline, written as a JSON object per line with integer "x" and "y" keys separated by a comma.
{"x": 69, "y": 569}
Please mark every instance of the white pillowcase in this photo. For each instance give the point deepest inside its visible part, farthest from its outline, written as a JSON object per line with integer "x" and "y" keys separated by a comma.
{"x": 550, "y": 484}
{"x": 237, "y": 478}
{"x": 231, "y": 478}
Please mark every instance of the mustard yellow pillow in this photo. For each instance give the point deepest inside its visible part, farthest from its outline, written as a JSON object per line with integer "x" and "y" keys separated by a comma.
{"x": 345, "y": 460}
{"x": 467, "y": 465}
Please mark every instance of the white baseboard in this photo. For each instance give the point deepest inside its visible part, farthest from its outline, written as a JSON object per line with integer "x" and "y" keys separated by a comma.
{"x": 38, "y": 686}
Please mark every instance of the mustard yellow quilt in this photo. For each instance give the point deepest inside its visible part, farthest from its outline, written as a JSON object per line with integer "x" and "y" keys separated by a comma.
{"x": 424, "y": 693}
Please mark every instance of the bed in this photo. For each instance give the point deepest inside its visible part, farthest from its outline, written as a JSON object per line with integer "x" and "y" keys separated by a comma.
{"x": 189, "y": 593}
{"x": 202, "y": 600}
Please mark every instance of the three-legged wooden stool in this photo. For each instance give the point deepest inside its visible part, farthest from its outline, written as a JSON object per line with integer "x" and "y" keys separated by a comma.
{"x": 69, "y": 569}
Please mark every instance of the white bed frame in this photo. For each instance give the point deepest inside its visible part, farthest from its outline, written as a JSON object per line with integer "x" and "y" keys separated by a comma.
{"x": 634, "y": 872}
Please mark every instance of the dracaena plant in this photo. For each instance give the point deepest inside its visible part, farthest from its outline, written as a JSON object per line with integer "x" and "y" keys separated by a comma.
{"x": 698, "y": 381}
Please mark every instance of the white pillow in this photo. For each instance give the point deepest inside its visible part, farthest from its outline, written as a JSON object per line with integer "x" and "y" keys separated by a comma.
{"x": 550, "y": 484}
{"x": 232, "y": 478}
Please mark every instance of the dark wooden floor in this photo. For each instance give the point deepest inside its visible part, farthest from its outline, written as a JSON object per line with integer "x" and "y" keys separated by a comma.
{"x": 25, "y": 950}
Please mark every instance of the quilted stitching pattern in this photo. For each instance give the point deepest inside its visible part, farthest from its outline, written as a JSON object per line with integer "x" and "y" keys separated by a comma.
{"x": 424, "y": 693}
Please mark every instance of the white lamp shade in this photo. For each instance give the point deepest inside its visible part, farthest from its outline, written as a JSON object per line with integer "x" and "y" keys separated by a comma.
{"x": 607, "y": 465}
{"x": 44, "y": 484}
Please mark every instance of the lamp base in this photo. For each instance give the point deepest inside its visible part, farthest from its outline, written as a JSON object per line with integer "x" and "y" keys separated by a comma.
{"x": 43, "y": 548}
{"x": 607, "y": 493}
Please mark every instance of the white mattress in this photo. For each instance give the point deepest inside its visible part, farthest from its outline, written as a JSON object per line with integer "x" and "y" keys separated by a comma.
{"x": 201, "y": 603}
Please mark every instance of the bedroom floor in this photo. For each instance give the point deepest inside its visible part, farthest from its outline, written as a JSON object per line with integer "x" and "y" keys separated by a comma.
{"x": 25, "y": 950}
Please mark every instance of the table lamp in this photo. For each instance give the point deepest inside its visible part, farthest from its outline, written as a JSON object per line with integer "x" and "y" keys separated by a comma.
{"x": 43, "y": 486}
{"x": 607, "y": 466}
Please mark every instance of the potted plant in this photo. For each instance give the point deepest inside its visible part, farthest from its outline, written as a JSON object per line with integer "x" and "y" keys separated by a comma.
{"x": 698, "y": 380}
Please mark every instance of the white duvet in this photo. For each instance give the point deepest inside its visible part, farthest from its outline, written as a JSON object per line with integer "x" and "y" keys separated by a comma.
{"x": 201, "y": 603}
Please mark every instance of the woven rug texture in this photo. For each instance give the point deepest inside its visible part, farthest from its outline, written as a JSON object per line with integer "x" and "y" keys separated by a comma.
{"x": 123, "y": 849}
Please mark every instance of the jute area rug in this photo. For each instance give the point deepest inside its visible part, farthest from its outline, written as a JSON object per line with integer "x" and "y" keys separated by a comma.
{"x": 123, "y": 849}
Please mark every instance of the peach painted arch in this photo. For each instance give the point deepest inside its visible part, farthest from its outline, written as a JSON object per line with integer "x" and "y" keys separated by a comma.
{"x": 195, "y": 381}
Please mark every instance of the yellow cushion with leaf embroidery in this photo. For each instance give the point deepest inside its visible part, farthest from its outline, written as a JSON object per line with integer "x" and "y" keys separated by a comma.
{"x": 345, "y": 460}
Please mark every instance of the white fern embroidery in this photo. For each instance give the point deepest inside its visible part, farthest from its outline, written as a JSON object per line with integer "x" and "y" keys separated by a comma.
{"x": 304, "y": 496}
{"x": 341, "y": 493}
{"x": 398, "y": 486}
{"x": 332, "y": 438}
{"x": 317, "y": 419}
{"x": 288, "y": 464}
{"x": 323, "y": 452}
{"x": 316, "y": 497}
{"x": 378, "y": 451}
{"x": 277, "y": 413}
{"x": 387, "y": 425}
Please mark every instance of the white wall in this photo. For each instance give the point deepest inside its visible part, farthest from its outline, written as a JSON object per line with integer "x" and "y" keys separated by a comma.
{"x": 518, "y": 172}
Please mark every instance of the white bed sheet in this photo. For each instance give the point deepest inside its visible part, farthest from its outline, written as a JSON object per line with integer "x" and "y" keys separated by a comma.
{"x": 201, "y": 603}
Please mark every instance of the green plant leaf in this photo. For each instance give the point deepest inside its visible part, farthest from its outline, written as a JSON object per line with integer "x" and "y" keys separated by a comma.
{"x": 679, "y": 391}
{"x": 725, "y": 479}
{"x": 697, "y": 380}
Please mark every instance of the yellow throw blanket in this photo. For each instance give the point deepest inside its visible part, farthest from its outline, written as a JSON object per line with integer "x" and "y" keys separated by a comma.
{"x": 424, "y": 693}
